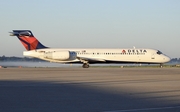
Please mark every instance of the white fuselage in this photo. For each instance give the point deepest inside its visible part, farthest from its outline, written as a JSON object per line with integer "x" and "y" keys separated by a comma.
{"x": 131, "y": 55}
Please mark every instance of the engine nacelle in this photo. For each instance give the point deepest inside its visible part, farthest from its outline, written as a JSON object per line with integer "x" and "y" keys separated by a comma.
{"x": 61, "y": 55}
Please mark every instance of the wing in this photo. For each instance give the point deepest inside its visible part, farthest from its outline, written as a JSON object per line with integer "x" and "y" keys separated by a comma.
{"x": 82, "y": 59}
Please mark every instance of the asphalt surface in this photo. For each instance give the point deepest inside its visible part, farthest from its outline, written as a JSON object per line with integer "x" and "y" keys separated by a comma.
{"x": 90, "y": 90}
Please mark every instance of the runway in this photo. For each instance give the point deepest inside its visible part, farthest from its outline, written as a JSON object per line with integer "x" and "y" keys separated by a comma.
{"x": 90, "y": 90}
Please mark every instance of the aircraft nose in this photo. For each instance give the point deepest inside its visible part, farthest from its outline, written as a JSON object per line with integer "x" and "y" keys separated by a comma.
{"x": 167, "y": 59}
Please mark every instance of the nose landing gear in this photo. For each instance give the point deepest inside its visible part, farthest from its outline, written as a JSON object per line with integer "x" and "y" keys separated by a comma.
{"x": 161, "y": 65}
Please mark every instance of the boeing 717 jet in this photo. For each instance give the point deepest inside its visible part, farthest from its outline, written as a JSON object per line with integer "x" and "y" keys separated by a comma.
{"x": 88, "y": 56}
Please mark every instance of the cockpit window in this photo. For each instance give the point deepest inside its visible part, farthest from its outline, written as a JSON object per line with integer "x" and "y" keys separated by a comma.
{"x": 159, "y": 52}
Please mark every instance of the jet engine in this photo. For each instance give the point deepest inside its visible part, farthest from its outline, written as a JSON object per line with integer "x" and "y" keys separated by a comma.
{"x": 61, "y": 55}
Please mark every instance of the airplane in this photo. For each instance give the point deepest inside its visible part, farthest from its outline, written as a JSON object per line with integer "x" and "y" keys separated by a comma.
{"x": 88, "y": 56}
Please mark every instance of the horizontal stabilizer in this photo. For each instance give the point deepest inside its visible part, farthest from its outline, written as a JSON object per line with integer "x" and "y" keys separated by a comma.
{"x": 21, "y": 33}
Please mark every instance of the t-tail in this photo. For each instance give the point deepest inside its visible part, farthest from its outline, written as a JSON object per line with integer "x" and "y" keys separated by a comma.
{"x": 27, "y": 39}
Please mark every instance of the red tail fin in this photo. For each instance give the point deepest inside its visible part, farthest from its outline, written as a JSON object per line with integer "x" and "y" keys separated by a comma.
{"x": 27, "y": 39}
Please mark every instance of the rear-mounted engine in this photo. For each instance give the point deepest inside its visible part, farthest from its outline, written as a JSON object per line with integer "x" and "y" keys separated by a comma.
{"x": 61, "y": 55}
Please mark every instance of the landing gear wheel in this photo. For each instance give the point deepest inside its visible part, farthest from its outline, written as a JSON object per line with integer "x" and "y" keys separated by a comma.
{"x": 85, "y": 65}
{"x": 161, "y": 65}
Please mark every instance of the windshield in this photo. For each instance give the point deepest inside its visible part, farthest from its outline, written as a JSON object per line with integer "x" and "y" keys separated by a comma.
{"x": 159, "y": 52}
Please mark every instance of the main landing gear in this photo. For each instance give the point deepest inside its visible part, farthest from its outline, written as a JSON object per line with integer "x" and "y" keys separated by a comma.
{"x": 85, "y": 65}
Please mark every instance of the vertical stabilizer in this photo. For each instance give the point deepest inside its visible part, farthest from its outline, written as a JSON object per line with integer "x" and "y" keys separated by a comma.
{"x": 27, "y": 39}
